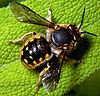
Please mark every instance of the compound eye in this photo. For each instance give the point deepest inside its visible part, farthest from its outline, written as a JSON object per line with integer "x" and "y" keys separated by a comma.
{"x": 61, "y": 37}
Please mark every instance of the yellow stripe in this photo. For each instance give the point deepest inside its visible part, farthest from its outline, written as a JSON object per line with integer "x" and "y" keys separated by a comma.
{"x": 41, "y": 59}
{"x": 47, "y": 55}
{"x": 31, "y": 39}
{"x": 21, "y": 52}
{"x": 26, "y": 48}
{"x": 38, "y": 37}
{"x": 30, "y": 57}
{"x": 26, "y": 43}
{"x": 34, "y": 62}
{"x": 25, "y": 61}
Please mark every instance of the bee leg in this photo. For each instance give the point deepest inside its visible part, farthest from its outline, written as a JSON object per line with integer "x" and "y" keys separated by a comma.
{"x": 48, "y": 30}
{"x": 40, "y": 77}
{"x": 75, "y": 63}
{"x": 49, "y": 14}
{"x": 66, "y": 58}
{"x": 23, "y": 38}
{"x": 72, "y": 61}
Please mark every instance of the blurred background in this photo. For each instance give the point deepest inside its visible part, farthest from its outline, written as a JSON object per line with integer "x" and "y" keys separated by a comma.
{"x": 89, "y": 87}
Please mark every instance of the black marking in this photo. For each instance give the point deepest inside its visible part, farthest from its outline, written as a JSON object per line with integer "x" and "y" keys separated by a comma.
{"x": 36, "y": 49}
{"x": 82, "y": 19}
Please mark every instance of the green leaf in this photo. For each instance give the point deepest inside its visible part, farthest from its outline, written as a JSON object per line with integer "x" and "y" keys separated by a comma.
{"x": 15, "y": 79}
{"x": 90, "y": 86}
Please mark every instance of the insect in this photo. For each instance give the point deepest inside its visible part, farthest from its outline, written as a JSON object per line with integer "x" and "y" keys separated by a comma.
{"x": 61, "y": 40}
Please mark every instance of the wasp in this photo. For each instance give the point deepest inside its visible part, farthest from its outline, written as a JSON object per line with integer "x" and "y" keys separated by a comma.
{"x": 60, "y": 39}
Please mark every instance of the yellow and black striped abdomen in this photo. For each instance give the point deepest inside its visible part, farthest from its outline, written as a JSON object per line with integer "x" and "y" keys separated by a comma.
{"x": 35, "y": 51}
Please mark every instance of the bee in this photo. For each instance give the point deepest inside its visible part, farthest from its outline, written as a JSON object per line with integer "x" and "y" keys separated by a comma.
{"x": 36, "y": 51}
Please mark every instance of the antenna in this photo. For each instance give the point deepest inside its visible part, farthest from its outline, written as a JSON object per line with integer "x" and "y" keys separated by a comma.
{"x": 82, "y": 18}
{"x": 82, "y": 23}
{"x": 89, "y": 33}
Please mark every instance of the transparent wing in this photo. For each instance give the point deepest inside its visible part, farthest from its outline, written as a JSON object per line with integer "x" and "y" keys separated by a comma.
{"x": 51, "y": 77}
{"x": 25, "y": 14}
